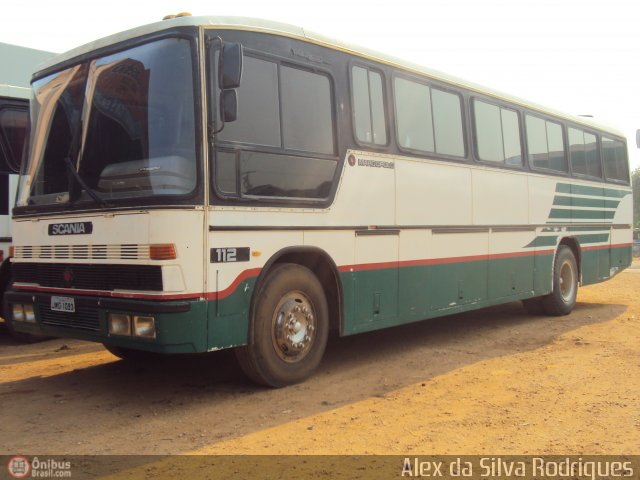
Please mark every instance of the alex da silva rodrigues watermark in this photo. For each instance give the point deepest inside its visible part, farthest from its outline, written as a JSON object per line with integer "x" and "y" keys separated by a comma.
{"x": 531, "y": 467}
{"x": 23, "y": 467}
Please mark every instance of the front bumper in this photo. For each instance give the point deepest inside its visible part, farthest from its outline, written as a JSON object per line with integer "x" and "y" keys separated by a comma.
{"x": 181, "y": 326}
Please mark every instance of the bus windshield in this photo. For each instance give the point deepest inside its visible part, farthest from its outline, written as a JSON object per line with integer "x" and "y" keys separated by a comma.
{"x": 124, "y": 122}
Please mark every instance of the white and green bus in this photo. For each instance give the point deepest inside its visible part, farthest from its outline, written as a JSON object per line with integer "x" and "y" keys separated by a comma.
{"x": 207, "y": 183}
{"x": 17, "y": 63}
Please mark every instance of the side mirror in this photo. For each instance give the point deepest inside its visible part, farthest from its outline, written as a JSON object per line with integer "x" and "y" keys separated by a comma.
{"x": 229, "y": 105}
{"x": 638, "y": 138}
{"x": 230, "y": 66}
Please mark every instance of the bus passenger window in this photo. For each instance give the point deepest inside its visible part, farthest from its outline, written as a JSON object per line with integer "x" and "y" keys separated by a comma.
{"x": 616, "y": 166}
{"x": 429, "y": 120}
{"x": 447, "y": 123}
{"x": 545, "y": 144}
{"x": 497, "y": 134}
{"x": 583, "y": 150}
{"x": 413, "y": 114}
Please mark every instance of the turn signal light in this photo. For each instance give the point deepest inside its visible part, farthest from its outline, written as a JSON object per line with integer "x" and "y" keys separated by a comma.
{"x": 162, "y": 251}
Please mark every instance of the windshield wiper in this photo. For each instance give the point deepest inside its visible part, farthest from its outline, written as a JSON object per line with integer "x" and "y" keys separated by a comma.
{"x": 92, "y": 193}
{"x": 75, "y": 151}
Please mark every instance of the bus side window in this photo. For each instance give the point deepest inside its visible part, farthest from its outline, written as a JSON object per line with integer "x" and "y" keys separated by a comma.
{"x": 428, "y": 119}
{"x": 368, "y": 106}
{"x": 13, "y": 126}
{"x": 616, "y": 166}
{"x": 498, "y": 134}
{"x": 584, "y": 154}
{"x": 545, "y": 144}
{"x": 413, "y": 115}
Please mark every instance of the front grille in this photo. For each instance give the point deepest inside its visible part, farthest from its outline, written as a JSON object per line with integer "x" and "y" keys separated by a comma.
{"x": 90, "y": 277}
{"x": 84, "y": 318}
{"x": 84, "y": 252}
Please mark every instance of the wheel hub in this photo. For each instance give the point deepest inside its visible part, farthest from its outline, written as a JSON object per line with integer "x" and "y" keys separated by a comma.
{"x": 567, "y": 282}
{"x": 293, "y": 327}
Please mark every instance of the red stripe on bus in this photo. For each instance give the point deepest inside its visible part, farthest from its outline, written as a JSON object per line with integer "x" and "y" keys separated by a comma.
{"x": 605, "y": 247}
{"x": 254, "y": 272}
{"x": 439, "y": 261}
{"x": 102, "y": 293}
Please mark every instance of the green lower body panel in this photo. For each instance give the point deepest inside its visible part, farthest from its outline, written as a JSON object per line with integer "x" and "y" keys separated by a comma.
{"x": 432, "y": 289}
{"x": 599, "y": 264}
{"x": 180, "y": 326}
{"x": 228, "y": 318}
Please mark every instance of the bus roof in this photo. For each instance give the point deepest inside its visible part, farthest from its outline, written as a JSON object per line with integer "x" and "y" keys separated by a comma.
{"x": 17, "y": 64}
{"x": 11, "y": 91}
{"x": 283, "y": 29}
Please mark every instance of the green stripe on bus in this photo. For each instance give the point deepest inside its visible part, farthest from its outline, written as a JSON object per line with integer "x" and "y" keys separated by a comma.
{"x": 588, "y": 229}
{"x": 585, "y": 202}
{"x": 585, "y": 190}
{"x": 569, "y": 214}
{"x": 594, "y": 238}
{"x": 545, "y": 241}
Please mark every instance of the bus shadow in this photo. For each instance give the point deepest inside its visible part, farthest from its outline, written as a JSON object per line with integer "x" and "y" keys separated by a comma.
{"x": 219, "y": 403}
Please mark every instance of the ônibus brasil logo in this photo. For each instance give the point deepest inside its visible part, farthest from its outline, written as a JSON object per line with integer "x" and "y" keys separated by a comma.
{"x": 19, "y": 467}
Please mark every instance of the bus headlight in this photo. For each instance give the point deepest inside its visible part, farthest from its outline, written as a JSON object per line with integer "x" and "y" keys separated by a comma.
{"x": 18, "y": 313}
{"x": 29, "y": 314}
{"x": 119, "y": 324}
{"x": 144, "y": 327}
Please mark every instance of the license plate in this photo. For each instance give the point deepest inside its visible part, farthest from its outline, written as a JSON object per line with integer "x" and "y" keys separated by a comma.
{"x": 63, "y": 304}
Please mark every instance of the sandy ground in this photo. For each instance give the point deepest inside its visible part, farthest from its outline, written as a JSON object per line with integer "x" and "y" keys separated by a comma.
{"x": 497, "y": 381}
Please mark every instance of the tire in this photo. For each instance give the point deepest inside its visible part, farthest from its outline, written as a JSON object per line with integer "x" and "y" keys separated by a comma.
{"x": 131, "y": 355}
{"x": 533, "y": 306}
{"x": 562, "y": 298}
{"x": 289, "y": 328}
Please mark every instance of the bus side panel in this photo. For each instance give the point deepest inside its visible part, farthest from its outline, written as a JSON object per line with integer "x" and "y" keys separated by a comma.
{"x": 622, "y": 237}
{"x": 543, "y": 269}
{"x": 589, "y": 265}
{"x": 433, "y": 193}
{"x": 501, "y": 201}
{"x": 376, "y": 285}
{"x": 413, "y": 301}
{"x": 621, "y": 246}
{"x": 235, "y": 259}
{"x": 511, "y": 273}
{"x": 458, "y": 274}
{"x": 541, "y": 198}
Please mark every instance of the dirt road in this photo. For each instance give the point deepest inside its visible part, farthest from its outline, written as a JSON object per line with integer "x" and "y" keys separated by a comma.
{"x": 495, "y": 381}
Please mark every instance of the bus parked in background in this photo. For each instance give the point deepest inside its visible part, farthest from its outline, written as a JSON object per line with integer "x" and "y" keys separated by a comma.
{"x": 16, "y": 66}
{"x": 208, "y": 183}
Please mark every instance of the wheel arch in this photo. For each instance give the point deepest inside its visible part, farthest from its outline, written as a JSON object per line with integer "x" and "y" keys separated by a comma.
{"x": 322, "y": 266}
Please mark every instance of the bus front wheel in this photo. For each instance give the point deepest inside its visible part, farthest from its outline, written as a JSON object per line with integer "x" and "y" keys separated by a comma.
{"x": 289, "y": 328}
{"x": 562, "y": 298}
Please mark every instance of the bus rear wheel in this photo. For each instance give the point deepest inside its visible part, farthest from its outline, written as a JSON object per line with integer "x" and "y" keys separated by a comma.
{"x": 562, "y": 298}
{"x": 289, "y": 328}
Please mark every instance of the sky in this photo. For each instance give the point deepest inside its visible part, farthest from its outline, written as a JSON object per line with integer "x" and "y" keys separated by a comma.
{"x": 577, "y": 56}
